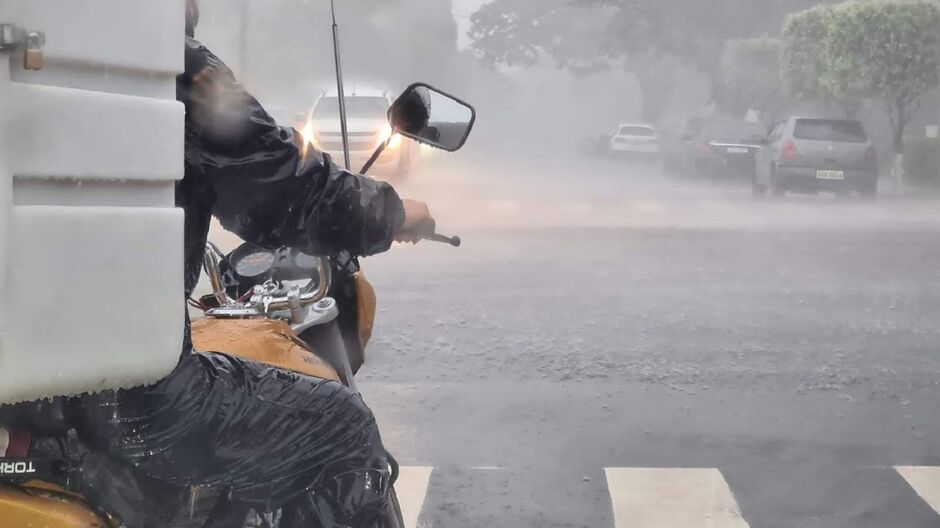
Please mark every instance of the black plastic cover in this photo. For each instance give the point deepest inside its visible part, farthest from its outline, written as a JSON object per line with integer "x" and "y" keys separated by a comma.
{"x": 261, "y": 436}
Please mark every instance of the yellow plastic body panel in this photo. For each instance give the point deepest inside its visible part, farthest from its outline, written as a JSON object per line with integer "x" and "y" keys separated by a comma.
{"x": 260, "y": 340}
{"x": 38, "y": 508}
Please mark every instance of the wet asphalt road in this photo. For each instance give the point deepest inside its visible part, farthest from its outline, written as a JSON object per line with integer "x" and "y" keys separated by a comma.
{"x": 639, "y": 322}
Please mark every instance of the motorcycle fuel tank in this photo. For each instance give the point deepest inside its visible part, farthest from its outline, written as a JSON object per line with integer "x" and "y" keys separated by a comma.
{"x": 46, "y": 509}
{"x": 261, "y": 340}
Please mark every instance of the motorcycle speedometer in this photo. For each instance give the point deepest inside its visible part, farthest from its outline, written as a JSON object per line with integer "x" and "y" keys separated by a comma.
{"x": 251, "y": 263}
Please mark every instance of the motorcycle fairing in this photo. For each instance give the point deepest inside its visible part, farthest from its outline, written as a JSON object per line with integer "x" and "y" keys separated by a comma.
{"x": 366, "y": 303}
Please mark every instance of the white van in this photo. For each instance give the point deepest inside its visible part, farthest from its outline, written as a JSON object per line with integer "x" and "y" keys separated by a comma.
{"x": 367, "y": 123}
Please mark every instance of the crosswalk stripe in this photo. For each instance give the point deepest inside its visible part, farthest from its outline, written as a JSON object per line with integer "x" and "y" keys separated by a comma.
{"x": 925, "y": 481}
{"x": 412, "y": 488}
{"x": 677, "y": 498}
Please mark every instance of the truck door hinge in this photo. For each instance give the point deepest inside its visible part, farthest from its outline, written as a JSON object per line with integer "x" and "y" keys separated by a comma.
{"x": 13, "y": 38}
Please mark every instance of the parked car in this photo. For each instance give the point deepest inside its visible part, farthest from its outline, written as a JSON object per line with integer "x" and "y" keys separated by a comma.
{"x": 367, "y": 120}
{"x": 635, "y": 140}
{"x": 811, "y": 155}
{"x": 718, "y": 147}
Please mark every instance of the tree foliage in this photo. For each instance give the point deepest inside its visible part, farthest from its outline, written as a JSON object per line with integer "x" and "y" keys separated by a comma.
{"x": 885, "y": 51}
{"x": 751, "y": 73}
{"x": 882, "y": 51}
{"x": 589, "y": 34}
{"x": 803, "y": 58}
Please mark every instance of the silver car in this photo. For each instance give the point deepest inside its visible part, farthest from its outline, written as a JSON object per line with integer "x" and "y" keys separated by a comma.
{"x": 812, "y": 155}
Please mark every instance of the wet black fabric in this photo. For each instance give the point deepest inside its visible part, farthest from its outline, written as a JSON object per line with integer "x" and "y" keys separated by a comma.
{"x": 263, "y": 182}
{"x": 262, "y": 436}
{"x": 265, "y": 436}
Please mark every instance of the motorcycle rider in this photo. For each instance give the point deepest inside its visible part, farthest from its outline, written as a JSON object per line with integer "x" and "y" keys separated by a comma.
{"x": 271, "y": 438}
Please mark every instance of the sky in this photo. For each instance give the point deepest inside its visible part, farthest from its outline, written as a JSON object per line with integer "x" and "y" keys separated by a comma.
{"x": 462, "y": 11}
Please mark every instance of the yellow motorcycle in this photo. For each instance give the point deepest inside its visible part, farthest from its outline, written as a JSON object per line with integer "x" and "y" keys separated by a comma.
{"x": 308, "y": 314}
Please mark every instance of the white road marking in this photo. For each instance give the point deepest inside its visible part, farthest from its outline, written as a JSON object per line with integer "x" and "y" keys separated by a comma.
{"x": 674, "y": 498}
{"x": 487, "y": 468}
{"x": 412, "y": 488}
{"x": 925, "y": 481}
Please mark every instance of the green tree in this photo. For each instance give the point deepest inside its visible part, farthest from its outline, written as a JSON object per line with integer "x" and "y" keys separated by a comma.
{"x": 885, "y": 51}
{"x": 526, "y": 33}
{"x": 803, "y": 58}
{"x": 751, "y": 74}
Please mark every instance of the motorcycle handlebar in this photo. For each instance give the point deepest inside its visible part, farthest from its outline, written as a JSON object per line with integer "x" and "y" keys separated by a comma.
{"x": 453, "y": 241}
{"x": 308, "y": 296}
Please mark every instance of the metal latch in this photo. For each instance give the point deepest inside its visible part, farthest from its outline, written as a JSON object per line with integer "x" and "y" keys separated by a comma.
{"x": 13, "y": 38}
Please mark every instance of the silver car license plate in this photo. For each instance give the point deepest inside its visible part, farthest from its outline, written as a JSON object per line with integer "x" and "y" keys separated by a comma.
{"x": 830, "y": 175}
{"x": 737, "y": 150}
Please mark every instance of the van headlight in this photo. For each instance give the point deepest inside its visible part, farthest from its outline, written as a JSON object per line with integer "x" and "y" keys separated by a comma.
{"x": 310, "y": 134}
{"x": 387, "y": 134}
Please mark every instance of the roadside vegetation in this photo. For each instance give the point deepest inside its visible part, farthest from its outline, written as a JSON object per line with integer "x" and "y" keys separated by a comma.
{"x": 877, "y": 61}
{"x": 877, "y": 53}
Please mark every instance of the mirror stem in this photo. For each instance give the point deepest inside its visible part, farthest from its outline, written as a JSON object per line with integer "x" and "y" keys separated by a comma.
{"x": 375, "y": 155}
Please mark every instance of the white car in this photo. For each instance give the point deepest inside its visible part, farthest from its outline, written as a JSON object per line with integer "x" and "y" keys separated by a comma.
{"x": 367, "y": 123}
{"x": 635, "y": 139}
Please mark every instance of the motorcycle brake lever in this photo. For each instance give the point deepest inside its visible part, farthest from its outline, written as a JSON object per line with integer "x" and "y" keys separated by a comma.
{"x": 453, "y": 241}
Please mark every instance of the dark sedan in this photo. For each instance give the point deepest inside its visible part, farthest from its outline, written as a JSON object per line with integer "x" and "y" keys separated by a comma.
{"x": 722, "y": 148}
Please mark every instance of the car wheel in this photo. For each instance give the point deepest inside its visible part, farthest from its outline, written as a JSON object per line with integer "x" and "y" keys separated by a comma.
{"x": 776, "y": 189}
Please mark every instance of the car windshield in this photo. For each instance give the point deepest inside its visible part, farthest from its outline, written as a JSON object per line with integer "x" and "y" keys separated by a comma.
{"x": 733, "y": 132}
{"x": 640, "y": 131}
{"x": 830, "y": 130}
{"x": 356, "y": 108}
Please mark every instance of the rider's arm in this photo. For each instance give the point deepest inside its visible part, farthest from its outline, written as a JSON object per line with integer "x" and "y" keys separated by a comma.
{"x": 270, "y": 187}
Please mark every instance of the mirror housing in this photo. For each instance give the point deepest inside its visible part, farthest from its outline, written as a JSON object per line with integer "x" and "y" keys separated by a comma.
{"x": 432, "y": 117}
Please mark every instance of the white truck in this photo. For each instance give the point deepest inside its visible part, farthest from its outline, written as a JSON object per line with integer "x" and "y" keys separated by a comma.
{"x": 91, "y": 147}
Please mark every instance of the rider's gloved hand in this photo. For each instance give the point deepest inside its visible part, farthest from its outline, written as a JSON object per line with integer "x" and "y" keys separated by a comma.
{"x": 418, "y": 223}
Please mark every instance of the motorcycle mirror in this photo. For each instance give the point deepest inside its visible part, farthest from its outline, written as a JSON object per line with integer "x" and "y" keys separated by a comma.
{"x": 430, "y": 116}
